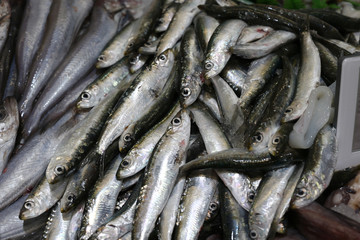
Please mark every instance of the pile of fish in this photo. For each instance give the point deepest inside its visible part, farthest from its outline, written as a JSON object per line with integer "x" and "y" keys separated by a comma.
{"x": 165, "y": 119}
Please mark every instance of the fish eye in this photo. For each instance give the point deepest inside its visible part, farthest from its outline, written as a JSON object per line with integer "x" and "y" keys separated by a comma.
{"x": 301, "y": 192}
{"x": 276, "y": 141}
{"x": 258, "y": 137}
{"x": 289, "y": 110}
{"x": 59, "y": 170}
{"x": 208, "y": 65}
{"x": 125, "y": 163}
{"x": 162, "y": 57}
{"x": 127, "y": 137}
{"x": 29, "y": 204}
{"x": 133, "y": 60}
{"x": 186, "y": 92}
{"x": 213, "y": 206}
{"x": 101, "y": 58}
{"x": 85, "y": 96}
{"x": 3, "y": 114}
{"x": 176, "y": 121}
{"x": 251, "y": 196}
{"x": 253, "y": 234}
{"x": 71, "y": 197}
{"x": 131, "y": 44}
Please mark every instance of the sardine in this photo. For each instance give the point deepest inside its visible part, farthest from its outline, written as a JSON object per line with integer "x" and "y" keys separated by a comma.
{"x": 253, "y": 33}
{"x": 204, "y": 27}
{"x": 141, "y": 94}
{"x": 9, "y": 124}
{"x": 31, "y": 31}
{"x": 218, "y": 50}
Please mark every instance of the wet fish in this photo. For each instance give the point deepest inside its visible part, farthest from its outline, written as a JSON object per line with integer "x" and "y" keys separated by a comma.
{"x": 253, "y": 33}
{"x": 318, "y": 170}
{"x": 65, "y": 18}
{"x": 190, "y": 69}
{"x": 204, "y": 27}
{"x": 115, "y": 50}
{"x": 140, "y": 95}
{"x": 43, "y": 197}
{"x": 166, "y": 17}
{"x": 307, "y": 80}
{"x": 181, "y": 21}
{"x": 31, "y": 31}
{"x": 101, "y": 202}
{"x": 264, "y": 46}
{"x": 234, "y": 73}
{"x": 9, "y": 124}
{"x": 260, "y": 72}
{"x": 87, "y": 48}
{"x": 160, "y": 174}
{"x": 218, "y": 50}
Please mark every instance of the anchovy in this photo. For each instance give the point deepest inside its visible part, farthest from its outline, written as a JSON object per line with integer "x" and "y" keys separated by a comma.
{"x": 166, "y": 17}
{"x": 116, "y": 77}
{"x": 72, "y": 149}
{"x": 270, "y": 121}
{"x": 234, "y": 73}
{"x": 35, "y": 154}
{"x": 11, "y": 227}
{"x": 267, "y": 199}
{"x": 199, "y": 190}
{"x": 280, "y": 140}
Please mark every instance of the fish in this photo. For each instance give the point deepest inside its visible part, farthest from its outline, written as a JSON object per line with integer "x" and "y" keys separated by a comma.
{"x": 319, "y": 168}
{"x": 181, "y": 21}
{"x": 87, "y": 48}
{"x": 307, "y": 80}
{"x": 31, "y": 31}
{"x": 146, "y": 87}
{"x": 204, "y": 27}
{"x": 161, "y": 174}
{"x": 253, "y": 33}
{"x": 65, "y": 18}
{"x": 218, "y": 50}
{"x": 190, "y": 68}
{"x": 9, "y": 124}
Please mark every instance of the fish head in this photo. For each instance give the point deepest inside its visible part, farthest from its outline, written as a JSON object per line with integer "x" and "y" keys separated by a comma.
{"x": 293, "y": 112}
{"x": 211, "y": 65}
{"x": 87, "y": 98}
{"x": 189, "y": 90}
{"x": 277, "y": 144}
{"x": 165, "y": 59}
{"x": 127, "y": 166}
{"x": 107, "y": 58}
{"x": 56, "y": 172}
{"x": 180, "y": 121}
{"x": 308, "y": 190}
{"x": 68, "y": 201}
{"x": 30, "y": 209}
{"x": 126, "y": 139}
{"x": 259, "y": 141}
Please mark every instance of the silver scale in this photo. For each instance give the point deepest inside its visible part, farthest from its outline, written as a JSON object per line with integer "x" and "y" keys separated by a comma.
{"x": 347, "y": 119}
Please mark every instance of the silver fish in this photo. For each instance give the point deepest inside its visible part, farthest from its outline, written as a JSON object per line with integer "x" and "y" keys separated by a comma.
{"x": 218, "y": 50}
{"x": 9, "y": 124}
